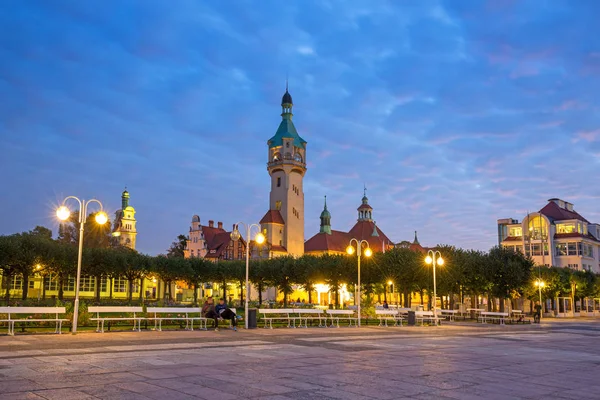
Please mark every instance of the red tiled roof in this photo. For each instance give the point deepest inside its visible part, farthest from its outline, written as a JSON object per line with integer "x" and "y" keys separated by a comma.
{"x": 553, "y": 211}
{"x": 217, "y": 244}
{"x": 513, "y": 239}
{"x": 337, "y": 241}
{"x": 363, "y": 230}
{"x": 574, "y": 235}
{"x": 417, "y": 247}
{"x": 365, "y": 207}
{"x": 272, "y": 217}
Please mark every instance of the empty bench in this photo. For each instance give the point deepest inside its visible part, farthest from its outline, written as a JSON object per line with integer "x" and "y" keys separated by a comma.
{"x": 107, "y": 313}
{"x": 187, "y": 314}
{"x": 386, "y": 314}
{"x": 427, "y": 316}
{"x": 304, "y": 314}
{"x": 53, "y": 315}
{"x": 485, "y": 316}
{"x": 277, "y": 314}
{"x": 336, "y": 315}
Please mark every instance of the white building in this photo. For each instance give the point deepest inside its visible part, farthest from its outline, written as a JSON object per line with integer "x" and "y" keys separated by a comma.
{"x": 556, "y": 235}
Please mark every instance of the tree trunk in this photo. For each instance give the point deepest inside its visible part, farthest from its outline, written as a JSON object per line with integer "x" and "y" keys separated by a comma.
{"x": 141, "y": 290}
{"x": 98, "y": 282}
{"x": 61, "y": 289}
{"x": 310, "y": 295}
{"x": 421, "y": 295}
{"x": 196, "y": 294}
{"x": 44, "y": 287}
{"x": 502, "y": 301}
{"x": 25, "y": 288}
{"x": 129, "y": 290}
{"x": 110, "y": 283}
{"x": 7, "y": 281}
{"x": 224, "y": 291}
{"x": 285, "y": 299}
{"x": 242, "y": 287}
{"x": 405, "y": 295}
{"x": 260, "y": 290}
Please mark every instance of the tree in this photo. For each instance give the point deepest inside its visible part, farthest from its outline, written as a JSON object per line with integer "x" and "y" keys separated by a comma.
{"x": 508, "y": 271}
{"x": 177, "y": 247}
{"x": 196, "y": 272}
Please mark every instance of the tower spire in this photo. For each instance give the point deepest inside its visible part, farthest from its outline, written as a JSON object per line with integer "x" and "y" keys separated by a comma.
{"x": 325, "y": 220}
{"x": 416, "y": 241}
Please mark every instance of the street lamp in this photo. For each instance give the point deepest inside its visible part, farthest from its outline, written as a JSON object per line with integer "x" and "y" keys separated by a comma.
{"x": 391, "y": 292}
{"x": 434, "y": 258}
{"x": 540, "y": 284}
{"x": 63, "y": 214}
{"x": 368, "y": 252}
{"x": 260, "y": 239}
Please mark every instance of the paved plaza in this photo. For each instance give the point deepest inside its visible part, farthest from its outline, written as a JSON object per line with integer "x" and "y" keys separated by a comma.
{"x": 560, "y": 359}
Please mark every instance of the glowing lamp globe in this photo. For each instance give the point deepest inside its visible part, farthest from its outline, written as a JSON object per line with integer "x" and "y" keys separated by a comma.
{"x": 101, "y": 218}
{"x": 428, "y": 260}
{"x": 259, "y": 238}
{"x": 63, "y": 213}
{"x": 368, "y": 252}
{"x": 235, "y": 235}
{"x": 440, "y": 261}
{"x": 350, "y": 250}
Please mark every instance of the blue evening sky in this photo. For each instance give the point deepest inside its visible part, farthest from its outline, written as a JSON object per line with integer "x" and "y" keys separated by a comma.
{"x": 453, "y": 113}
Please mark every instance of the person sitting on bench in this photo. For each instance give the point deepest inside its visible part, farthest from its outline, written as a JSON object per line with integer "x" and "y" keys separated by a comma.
{"x": 225, "y": 313}
{"x": 209, "y": 311}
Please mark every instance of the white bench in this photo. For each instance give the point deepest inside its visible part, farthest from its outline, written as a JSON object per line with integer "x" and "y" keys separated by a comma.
{"x": 278, "y": 314}
{"x": 116, "y": 310}
{"x": 448, "y": 314}
{"x": 312, "y": 314}
{"x": 427, "y": 316}
{"x": 183, "y": 314}
{"x": 494, "y": 316}
{"x": 386, "y": 314}
{"x": 53, "y": 313}
{"x": 336, "y": 315}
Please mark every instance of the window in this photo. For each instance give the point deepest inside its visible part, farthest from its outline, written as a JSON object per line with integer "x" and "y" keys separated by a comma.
{"x": 565, "y": 228}
{"x": 561, "y": 249}
{"x": 16, "y": 283}
{"x": 276, "y": 156}
{"x": 87, "y": 283}
{"x": 278, "y": 205}
{"x": 572, "y": 249}
{"x": 287, "y": 144}
{"x": 31, "y": 284}
{"x": 69, "y": 285}
{"x": 51, "y": 282}
{"x": 104, "y": 284}
{"x": 516, "y": 232}
{"x": 573, "y": 266}
{"x": 120, "y": 285}
{"x": 588, "y": 250}
{"x": 298, "y": 157}
{"x": 192, "y": 253}
{"x": 536, "y": 249}
{"x": 278, "y": 181}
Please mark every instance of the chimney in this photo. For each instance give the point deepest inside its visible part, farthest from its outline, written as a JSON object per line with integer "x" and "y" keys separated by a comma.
{"x": 233, "y": 228}
{"x": 211, "y": 223}
{"x": 220, "y": 225}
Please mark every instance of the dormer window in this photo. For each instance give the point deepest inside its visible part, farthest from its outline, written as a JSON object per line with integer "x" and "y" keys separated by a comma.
{"x": 287, "y": 145}
{"x": 276, "y": 156}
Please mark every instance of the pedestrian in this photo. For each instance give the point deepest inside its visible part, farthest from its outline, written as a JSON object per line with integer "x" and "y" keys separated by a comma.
{"x": 225, "y": 313}
{"x": 537, "y": 315}
{"x": 208, "y": 311}
{"x": 385, "y": 304}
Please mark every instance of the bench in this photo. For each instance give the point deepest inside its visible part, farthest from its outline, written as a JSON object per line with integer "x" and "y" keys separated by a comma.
{"x": 52, "y": 312}
{"x": 116, "y": 310}
{"x": 183, "y": 314}
{"x": 336, "y": 315}
{"x": 277, "y": 314}
{"x": 484, "y": 316}
{"x": 386, "y": 314}
{"x": 427, "y": 316}
{"x": 450, "y": 314}
{"x": 312, "y": 314}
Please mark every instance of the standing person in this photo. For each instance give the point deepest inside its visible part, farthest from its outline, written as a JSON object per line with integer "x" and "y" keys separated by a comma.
{"x": 538, "y": 312}
{"x": 208, "y": 311}
{"x": 224, "y": 312}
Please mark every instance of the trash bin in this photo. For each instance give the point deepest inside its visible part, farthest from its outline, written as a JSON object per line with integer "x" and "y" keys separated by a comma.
{"x": 412, "y": 318}
{"x": 252, "y": 318}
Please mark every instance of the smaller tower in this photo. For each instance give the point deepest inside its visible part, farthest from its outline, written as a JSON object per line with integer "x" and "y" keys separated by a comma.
{"x": 124, "y": 226}
{"x": 365, "y": 211}
{"x": 416, "y": 241}
{"x": 325, "y": 220}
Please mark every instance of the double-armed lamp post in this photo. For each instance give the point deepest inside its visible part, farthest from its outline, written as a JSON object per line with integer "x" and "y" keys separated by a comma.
{"x": 259, "y": 239}
{"x": 540, "y": 284}
{"x": 359, "y": 251}
{"x": 63, "y": 214}
{"x": 434, "y": 258}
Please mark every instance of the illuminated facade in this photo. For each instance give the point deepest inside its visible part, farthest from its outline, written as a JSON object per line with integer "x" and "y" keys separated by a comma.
{"x": 556, "y": 235}
{"x": 212, "y": 242}
{"x": 124, "y": 229}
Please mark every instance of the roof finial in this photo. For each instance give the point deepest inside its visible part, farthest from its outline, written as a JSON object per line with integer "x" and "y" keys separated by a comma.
{"x": 286, "y": 82}
{"x": 326, "y": 202}
{"x": 365, "y": 190}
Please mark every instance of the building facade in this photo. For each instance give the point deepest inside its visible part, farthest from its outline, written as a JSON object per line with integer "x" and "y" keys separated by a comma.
{"x": 556, "y": 235}
{"x": 283, "y": 223}
{"x": 124, "y": 229}
{"x": 212, "y": 242}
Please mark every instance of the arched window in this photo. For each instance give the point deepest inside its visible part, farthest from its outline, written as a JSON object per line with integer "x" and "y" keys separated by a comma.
{"x": 298, "y": 157}
{"x": 277, "y": 156}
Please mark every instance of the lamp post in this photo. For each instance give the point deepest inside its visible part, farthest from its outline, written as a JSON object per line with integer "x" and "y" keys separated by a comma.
{"x": 434, "y": 258}
{"x": 368, "y": 252}
{"x": 540, "y": 284}
{"x": 260, "y": 239}
{"x": 391, "y": 291}
{"x": 63, "y": 214}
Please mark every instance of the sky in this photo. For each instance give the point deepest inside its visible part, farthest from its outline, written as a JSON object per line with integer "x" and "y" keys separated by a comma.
{"x": 452, "y": 113}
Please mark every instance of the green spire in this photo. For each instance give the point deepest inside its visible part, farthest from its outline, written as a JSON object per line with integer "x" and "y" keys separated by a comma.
{"x": 124, "y": 199}
{"x": 286, "y": 129}
{"x": 325, "y": 220}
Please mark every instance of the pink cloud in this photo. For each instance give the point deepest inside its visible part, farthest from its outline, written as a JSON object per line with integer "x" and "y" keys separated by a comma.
{"x": 588, "y": 136}
{"x": 567, "y": 105}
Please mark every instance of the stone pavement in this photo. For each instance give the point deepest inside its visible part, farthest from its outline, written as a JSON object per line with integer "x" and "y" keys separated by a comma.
{"x": 459, "y": 361}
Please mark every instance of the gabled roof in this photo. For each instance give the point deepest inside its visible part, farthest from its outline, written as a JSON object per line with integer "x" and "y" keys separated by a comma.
{"x": 337, "y": 241}
{"x": 555, "y": 213}
{"x": 363, "y": 230}
{"x": 272, "y": 217}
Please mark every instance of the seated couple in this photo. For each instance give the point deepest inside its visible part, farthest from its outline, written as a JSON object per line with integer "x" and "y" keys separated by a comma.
{"x": 220, "y": 311}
